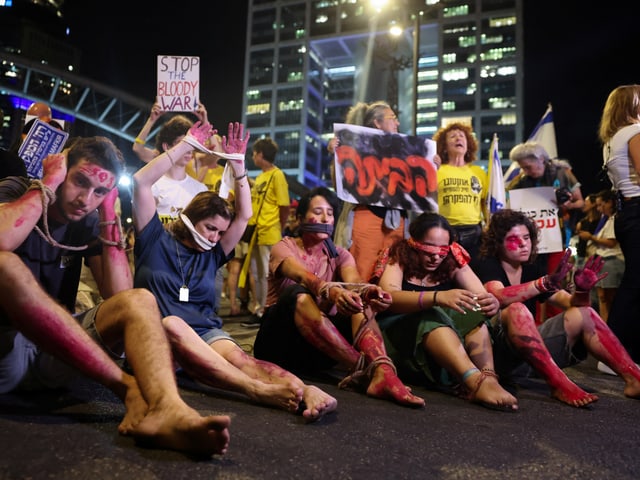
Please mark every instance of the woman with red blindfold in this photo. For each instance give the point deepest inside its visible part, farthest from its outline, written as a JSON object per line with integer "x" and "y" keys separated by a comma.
{"x": 436, "y": 327}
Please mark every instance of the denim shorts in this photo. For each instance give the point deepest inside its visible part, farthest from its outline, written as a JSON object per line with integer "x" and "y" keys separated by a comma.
{"x": 614, "y": 267}
{"x": 215, "y": 334}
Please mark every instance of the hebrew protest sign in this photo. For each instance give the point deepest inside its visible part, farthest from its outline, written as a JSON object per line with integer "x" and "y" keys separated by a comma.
{"x": 41, "y": 140}
{"x": 385, "y": 169}
{"x": 178, "y": 83}
{"x": 539, "y": 204}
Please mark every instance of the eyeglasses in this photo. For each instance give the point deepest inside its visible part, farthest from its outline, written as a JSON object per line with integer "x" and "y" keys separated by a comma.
{"x": 390, "y": 117}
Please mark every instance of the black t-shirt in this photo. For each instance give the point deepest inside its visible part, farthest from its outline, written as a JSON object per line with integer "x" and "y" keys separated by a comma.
{"x": 488, "y": 269}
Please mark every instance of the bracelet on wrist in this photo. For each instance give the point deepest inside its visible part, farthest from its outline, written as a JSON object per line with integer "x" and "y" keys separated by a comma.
{"x": 543, "y": 284}
{"x": 240, "y": 177}
{"x": 140, "y": 141}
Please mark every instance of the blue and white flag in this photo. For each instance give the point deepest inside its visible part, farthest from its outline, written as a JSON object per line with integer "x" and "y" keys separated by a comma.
{"x": 496, "y": 196}
{"x": 545, "y": 134}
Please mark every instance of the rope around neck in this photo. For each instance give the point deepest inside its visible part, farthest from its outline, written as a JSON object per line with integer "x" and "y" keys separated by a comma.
{"x": 48, "y": 197}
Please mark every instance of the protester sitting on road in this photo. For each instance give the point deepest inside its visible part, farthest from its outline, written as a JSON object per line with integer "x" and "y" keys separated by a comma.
{"x": 52, "y": 226}
{"x": 507, "y": 266}
{"x": 436, "y": 327}
{"x": 178, "y": 264}
{"x": 146, "y": 154}
{"x": 319, "y": 314}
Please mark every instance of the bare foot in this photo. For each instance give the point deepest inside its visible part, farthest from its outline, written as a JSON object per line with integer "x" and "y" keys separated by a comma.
{"x": 488, "y": 392}
{"x": 287, "y": 397}
{"x": 184, "y": 429}
{"x": 631, "y": 377}
{"x": 386, "y": 384}
{"x": 573, "y": 395}
{"x": 631, "y": 386}
{"x": 317, "y": 403}
{"x": 135, "y": 404}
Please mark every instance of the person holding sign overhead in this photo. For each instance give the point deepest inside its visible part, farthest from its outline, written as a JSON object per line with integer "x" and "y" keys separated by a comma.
{"x": 146, "y": 154}
{"x": 178, "y": 264}
{"x": 365, "y": 226}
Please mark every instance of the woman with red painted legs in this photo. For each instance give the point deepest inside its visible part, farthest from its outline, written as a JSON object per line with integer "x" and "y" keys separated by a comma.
{"x": 320, "y": 315}
{"x": 508, "y": 269}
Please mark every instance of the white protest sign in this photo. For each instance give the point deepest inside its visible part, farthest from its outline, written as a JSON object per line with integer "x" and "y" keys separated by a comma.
{"x": 178, "y": 83}
{"x": 539, "y": 204}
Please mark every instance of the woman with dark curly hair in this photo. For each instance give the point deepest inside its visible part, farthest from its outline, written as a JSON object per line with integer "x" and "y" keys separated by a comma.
{"x": 436, "y": 333}
{"x": 508, "y": 269}
{"x": 462, "y": 187}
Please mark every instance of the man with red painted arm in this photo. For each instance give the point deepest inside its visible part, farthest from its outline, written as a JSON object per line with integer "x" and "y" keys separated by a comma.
{"x": 48, "y": 228}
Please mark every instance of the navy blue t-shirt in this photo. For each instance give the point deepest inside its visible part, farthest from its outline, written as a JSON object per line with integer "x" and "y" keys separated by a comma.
{"x": 57, "y": 270}
{"x": 163, "y": 265}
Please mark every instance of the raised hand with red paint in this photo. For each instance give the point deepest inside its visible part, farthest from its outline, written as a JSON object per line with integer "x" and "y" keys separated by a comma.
{"x": 585, "y": 278}
{"x": 555, "y": 281}
{"x": 579, "y": 325}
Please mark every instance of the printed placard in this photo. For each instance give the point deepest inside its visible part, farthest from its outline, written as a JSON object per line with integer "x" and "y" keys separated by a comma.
{"x": 178, "y": 83}
{"x": 539, "y": 204}
{"x": 385, "y": 169}
{"x": 41, "y": 140}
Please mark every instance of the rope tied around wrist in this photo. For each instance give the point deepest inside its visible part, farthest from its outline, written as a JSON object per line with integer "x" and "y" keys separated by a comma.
{"x": 122, "y": 243}
{"x": 359, "y": 288}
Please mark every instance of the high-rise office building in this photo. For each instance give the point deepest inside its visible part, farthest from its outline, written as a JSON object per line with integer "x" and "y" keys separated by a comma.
{"x": 308, "y": 61}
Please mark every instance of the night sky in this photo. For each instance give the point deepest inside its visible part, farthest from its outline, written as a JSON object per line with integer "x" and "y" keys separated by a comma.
{"x": 575, "y": 55}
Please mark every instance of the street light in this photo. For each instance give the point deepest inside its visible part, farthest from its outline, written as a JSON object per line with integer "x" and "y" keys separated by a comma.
{"x": 411, "y": 10}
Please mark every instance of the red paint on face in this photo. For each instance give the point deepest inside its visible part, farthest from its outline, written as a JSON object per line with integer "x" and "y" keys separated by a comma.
{"x": 105, "y": 177}
{"x": 512, "y": 243}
